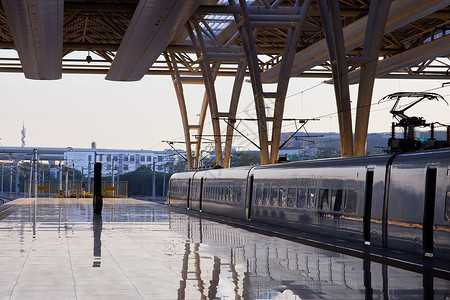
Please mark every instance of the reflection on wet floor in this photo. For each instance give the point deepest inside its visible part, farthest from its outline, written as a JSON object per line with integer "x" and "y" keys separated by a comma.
{"x": 56, "y": 248}
{"x": 98, "y": 226}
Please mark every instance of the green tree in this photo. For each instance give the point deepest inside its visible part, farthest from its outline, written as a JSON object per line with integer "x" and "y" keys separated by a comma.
{"x": 140, "y": 182}
{"x": 244, "y": 159}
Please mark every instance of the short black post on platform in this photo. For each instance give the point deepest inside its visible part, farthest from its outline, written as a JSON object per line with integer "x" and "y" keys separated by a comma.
{"x": 98, "y": 200}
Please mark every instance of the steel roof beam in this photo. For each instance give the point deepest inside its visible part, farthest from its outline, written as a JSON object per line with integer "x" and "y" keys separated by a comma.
{"x": 401, "y": 14}
{"x": 37, "y": 30}
{"x": 151, "y": 29}
{"x": 409, "y": 58}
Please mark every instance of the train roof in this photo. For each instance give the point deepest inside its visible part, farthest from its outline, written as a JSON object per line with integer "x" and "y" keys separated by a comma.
{"x": 336, "y": 162}
{"x": 349, "y": 161}
{"x": 325, "y": 162}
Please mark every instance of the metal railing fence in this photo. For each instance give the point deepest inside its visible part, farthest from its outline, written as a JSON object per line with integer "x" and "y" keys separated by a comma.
{"x": 49, "y": 188}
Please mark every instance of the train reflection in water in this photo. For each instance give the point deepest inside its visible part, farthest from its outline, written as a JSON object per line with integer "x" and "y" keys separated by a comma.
{"x": 226, "y": 263}
{"x": 398, "y": 201}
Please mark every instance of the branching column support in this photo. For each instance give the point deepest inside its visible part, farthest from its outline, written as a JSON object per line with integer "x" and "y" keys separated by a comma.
{"x": 176, "y": 79}
{"x": 283, "y": 81}
{"x": 209, "y": 86}
{"x": 336, "y": 50}
{"x": 193, "y": 159}
{"x": 235, "y": 95}
{"x": 247, "y": 35}
{"x": 209, "y": 64}
{"x": 201, "y": 122}
{"x": 378, "y": 13}
{"x": 237, "y": 87}
{"x": 246, "y": 32}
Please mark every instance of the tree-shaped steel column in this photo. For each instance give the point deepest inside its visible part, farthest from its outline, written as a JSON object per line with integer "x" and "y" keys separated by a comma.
{"x": 245, "y": 26}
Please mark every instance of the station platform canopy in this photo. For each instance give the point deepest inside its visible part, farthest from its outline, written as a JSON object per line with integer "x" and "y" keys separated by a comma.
{"x": 126, "y": 39}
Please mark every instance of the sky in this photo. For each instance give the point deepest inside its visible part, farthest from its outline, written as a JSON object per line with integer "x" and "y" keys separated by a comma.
{"x": 79, "y": 109}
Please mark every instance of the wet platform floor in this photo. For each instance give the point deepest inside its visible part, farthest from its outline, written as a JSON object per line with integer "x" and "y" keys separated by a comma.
{"x": 57, "y": 249}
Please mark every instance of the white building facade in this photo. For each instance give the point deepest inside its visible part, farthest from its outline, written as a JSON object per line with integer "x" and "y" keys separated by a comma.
{"x": 121, "y": 161}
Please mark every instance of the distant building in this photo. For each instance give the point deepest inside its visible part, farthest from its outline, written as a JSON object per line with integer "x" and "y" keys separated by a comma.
{"x": 122, "y": 161}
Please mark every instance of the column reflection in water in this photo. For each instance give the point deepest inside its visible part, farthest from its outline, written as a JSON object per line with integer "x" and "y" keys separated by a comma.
{"x": 97, "y": 227}
{"x": 222, "y": 261}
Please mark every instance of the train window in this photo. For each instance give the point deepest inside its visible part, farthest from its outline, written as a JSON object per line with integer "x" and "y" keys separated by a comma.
{"x": 282, "y": 200}
{"x": 274, "y": 198}
{"x": 259, "y": 196}
{"x": 312, "y": 193}
{"x": 323, "y": 200}
{"x": 224, "y": 196}
{"x": 291, "y": 197}
{"x": 351, "y": 198}
{"x": 237, "y": 194}
{"x": 301, "y": 198}
{"x": 219, "y": 194}
{"x": 447, "y": 208}
{"x": 266, "y": 196}
{"x": 336, "y": 200}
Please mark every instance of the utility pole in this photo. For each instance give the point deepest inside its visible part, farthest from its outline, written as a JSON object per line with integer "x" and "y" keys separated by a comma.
{"x": 154, "y": 180}
{"x": 89, "y": 174}
{"x": 112, "y": 173}
{"x": 82, "y": 178}
{"x": 112, "y": 176}
{"x": 10, "y": 182}
{"x": 73, "y": 178}
{"x": 67, "y": 180}
{"x": 60, "y": 176}
{"x": 35, "y": 157}
{"x": 164, "y": 182}
{"x": 30, "y": 183}
{"x": 16, "y": 163}
{"x": 118, "y": 174}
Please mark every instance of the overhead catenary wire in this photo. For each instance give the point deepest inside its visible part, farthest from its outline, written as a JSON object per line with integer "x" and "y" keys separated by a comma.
{"x": 328, "y": 114}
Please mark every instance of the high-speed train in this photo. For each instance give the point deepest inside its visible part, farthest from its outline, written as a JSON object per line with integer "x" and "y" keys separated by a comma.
{"x": 398, "y": 201}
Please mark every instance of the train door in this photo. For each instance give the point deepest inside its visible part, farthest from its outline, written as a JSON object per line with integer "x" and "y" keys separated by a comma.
{"x": 188, "y": 194}
{"x": 201, "y": 195}
{"x": 428, "y": 214}
{"x": 368, "y": 206}
{"x": 249, "y": 197}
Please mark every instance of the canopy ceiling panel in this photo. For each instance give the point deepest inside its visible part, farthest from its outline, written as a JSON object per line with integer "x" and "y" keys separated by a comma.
{"x": 37, "y": 29}
{"x": 152, "y": 27}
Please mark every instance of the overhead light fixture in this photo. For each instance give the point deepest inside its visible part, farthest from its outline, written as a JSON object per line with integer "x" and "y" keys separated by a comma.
{"x": 88, "y": 58}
